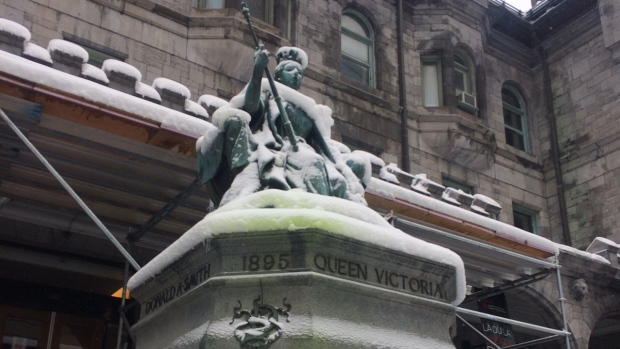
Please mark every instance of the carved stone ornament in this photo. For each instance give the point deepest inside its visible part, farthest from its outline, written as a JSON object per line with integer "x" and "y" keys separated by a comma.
{"x": 578, "y": 289}
{"x": 261, "y": 326}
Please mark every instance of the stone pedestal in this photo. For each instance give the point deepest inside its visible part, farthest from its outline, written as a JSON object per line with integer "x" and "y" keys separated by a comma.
{"x": 298, "y": 288}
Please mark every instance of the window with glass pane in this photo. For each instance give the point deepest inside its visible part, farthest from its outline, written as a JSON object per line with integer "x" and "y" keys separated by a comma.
{"x": 462, "y": 75}
{"x": 357, "y": 48}
{"x": 431, "y": 81}
{"x": 515, "y": 123}
{"x": 466, "y": 188}
{"x": 211, "y": 4}
{"x": 525, "y": 218}
{"x": 259, "y": 9}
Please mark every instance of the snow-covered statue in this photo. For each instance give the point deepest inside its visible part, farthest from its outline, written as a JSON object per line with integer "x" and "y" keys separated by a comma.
{"x": 250, "y": 149}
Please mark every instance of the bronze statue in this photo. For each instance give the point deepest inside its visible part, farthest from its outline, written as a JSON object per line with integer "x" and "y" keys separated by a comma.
{"x": 272, "y": 136}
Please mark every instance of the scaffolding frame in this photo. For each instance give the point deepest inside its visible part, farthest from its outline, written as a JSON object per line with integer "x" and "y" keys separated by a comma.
{"x": 447, "y": 238}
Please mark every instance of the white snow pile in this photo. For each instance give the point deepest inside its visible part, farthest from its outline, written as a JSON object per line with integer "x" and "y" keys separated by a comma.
{"x": 210, "y": 101}
{"x": 600, "y": 244}
{"x": 96, "y": 93}
{"x": 38, "y": 52}
{"x": 114, "y": 65}
{"x": 387, "y": 173}
{"x": 195, "y": 108}
{"x": 93, "y": 72}
{"x": 451, "y": 195}
{"x": 171, "y": 85}
{"x": 68, "y": 48}
{"x": 223, "y": 114}
{"x": 15, "y": 29}
{"x": 487, "y": 200}
{"x": 589, "y": 255}
{"x": 288, "y": 211}
{"x": 301, "y": 55}
{"x": 185, "y": 124}
{"x": 421, "y": 184}
{"x": 147, "y": 91}
{"x": 391, "y": 191}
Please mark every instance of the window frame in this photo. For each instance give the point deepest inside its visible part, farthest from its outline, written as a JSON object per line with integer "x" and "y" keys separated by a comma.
{"x": 532, "y": 214}
{"x": 368, "y": 41}
{"x": 524, "y": 132}
{"x": 204, "y": 5}
{"x": 449, "y": 181}
{"x": 97, "y": 54}
{"x": 467, "y": 71}
{"x": 428, "y": 60}
{"x": 266, "y": 12}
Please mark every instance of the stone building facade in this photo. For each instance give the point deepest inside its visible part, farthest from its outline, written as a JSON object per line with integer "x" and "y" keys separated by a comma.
{"x": 522, "y": 108}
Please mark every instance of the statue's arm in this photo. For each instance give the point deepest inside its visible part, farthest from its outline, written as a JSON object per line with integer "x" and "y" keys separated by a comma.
{"x": 253, "y": 92}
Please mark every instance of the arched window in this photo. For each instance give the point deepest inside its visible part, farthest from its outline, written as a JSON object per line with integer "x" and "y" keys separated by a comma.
{"x": 357, "y": 48}
{"x": 465, "y": 82}
{"x": 515, "y": 121}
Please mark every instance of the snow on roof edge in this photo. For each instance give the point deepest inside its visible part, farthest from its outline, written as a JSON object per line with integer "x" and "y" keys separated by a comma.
{"x": 585, "y": 254}
{"x": 392, "y": 191}
{"x": 296, "y": 209}
{"x": 42, "y": 75}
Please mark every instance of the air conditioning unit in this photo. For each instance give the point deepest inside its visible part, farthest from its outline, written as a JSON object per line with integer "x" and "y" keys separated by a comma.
{"x": 467, "y": 102}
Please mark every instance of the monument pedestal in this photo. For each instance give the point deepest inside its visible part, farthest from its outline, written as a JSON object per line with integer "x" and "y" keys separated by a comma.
{"x": 298, "y": 287}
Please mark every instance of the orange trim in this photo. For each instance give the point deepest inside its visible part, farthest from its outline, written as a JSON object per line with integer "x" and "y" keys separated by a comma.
{"x": 101, "y": 117}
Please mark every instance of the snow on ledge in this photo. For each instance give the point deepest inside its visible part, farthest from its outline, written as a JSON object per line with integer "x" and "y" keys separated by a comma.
{"x": 147, "y": 91}
{"x": 114, "y": 65}
{"x": 38, "y": 52}
{"x": 296, "y": 209}
{"x": 45, "y": 76}
{"x": 392, "y": 191}
{"x": 89, "y": 70}
{"x": 69, "y": 48}
{"x": 171, "y": 85}
{"x": 585, "y": 254}
{"x": 210, "y": 101}
{"x": 14, "y": 28}
{"x": 196, "y": 109}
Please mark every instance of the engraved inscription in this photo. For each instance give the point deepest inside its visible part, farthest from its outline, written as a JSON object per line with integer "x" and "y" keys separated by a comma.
{"x": 265, "y": 262}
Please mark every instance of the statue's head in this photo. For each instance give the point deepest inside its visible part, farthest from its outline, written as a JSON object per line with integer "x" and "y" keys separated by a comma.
{"x": 291, "y": 64}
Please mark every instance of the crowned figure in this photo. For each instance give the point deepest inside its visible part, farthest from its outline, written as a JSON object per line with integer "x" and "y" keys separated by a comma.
{"x": 249, "y": 151}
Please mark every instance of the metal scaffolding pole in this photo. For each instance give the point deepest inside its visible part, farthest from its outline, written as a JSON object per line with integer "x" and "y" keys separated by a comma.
{"x": 562, "y": 301}
{"x": 478, "y": 332}
{"x": 512, "y": 322}
{"x": 555, "y": 334}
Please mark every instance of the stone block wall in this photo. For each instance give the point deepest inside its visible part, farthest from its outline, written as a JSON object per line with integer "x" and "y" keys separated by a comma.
{"x": 586, "y": 102}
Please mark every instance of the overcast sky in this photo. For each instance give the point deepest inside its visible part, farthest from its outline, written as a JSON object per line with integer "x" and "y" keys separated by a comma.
{"x": 523, "y": 5}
